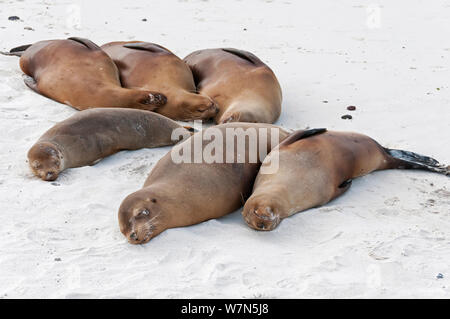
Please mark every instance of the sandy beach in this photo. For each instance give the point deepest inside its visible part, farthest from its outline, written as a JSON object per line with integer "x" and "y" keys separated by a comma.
{"x": 387, "y": 237}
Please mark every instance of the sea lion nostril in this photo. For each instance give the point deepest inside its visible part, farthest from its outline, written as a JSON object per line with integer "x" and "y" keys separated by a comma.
{"x": 133, "y": 236}
{"x": 261, "y": 225}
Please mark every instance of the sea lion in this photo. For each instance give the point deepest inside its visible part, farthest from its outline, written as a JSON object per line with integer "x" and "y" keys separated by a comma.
{"x": 153, "y": 67}
{"x": 179, "y": 194}
{"x": 316, "y": 166}
{"x": 78, "y": 73}
{"x": 245, "y": 89}
{"x": 90, "y": 135}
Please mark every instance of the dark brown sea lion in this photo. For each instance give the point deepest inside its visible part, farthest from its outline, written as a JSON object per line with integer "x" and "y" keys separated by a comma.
{"x": 90, "y": 135}
{"x": 316, "y": 166}
{"x": 78, "y": 73}
{"x": 245, "y": 89}
{"x": 152, "y": 67}
{"x": 179, "y": 194}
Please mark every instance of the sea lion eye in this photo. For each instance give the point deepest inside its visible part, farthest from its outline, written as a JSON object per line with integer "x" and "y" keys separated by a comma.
{"x": 144, "y": 212}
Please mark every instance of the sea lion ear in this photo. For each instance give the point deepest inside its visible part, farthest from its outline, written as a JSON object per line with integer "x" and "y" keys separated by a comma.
{"x": 86, "y": 42}
{"x": 147, "y": 46}
{"x": 301, "y": 134}
{"x": 154, "y": 98}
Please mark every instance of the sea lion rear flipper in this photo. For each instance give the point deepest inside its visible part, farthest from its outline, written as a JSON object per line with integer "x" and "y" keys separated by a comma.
{"x": 411, "y": 160}
{"x": 250, "y": 57}
{"x": 301, "y": 134}
{"x": 147, "y": 46}
{"x": 31, "y": 83}
{"x": 86, "y": 42}
{"x": 17, "y": 51}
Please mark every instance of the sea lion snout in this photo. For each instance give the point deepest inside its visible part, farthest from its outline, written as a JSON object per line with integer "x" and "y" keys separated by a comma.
{"x": 208, "y": 108}
{"x": 261, "y": 217}
{"x": 141, "y": 232}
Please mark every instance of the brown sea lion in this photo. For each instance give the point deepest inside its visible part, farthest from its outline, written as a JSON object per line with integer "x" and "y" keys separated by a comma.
{"x": 245, "y": 89}
{"x": 90, "y": 135}
{"x": 78, "y": 73}
{"x": 179, "y": 194}
{"x": 316, "y": 166}
{"x": 152, "y": 67}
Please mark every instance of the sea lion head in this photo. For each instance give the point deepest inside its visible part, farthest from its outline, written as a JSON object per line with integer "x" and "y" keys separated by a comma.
{"x": 46, "y": 160}
{"x": 263, "y": 212}
{"x": 196, "y": 106}
{"x": 140, "y": 217}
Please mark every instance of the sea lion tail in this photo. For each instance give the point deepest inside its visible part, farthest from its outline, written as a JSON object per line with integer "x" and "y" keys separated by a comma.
{"x": 18, "y": 51}
{"x": 411, "y": 160}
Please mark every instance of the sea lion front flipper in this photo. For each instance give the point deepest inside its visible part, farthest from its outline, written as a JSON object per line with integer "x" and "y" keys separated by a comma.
{"x": 250, "y": 57}
{"x": 342, "y": 188}
{"x": 86, "y": 42}
{"x": 153, "y": 100}
{"x": 31, "y": 83}
{"x": 17, "y": 51}
{"x": 301, "y": 134}
{"x": 147, "y": 46}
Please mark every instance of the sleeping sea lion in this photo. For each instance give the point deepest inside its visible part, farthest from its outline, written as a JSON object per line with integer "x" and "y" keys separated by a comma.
{"x": 90, "y": 135}
{"x": 152, "y": 67}
{"x": 78, "y": 73}
{"x": 316, "y": 166}
{"x": 244, "y": 88}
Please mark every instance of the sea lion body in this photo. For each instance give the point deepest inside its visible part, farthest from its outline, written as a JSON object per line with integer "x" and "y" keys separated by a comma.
{"x": 153, "y": 67}
{"x": 317, "y": 166}
{"x": 182, "y": 194}
{"x": 245, "y": 89}
{"x": 78, "y": 73}
{"x": 90, "y": 135}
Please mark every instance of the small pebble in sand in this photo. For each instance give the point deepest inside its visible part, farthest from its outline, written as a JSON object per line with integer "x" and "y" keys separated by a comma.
{"x": 325, "y": 101}
{"x": 13, "y": 18}
{"x": 439, "y": 276}
{"x": 346, "y": 117}
{"x": 28, "y": 28}
{"x": 245, "y": 29}
{"x": 57, "y": 259}
{"x": 55, "y": 184}
{"x": 144, "y": 19}
{"x": 351, "y": 108}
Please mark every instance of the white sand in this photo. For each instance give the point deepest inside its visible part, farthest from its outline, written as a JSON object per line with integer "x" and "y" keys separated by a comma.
{"x": 388, "y": 236}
